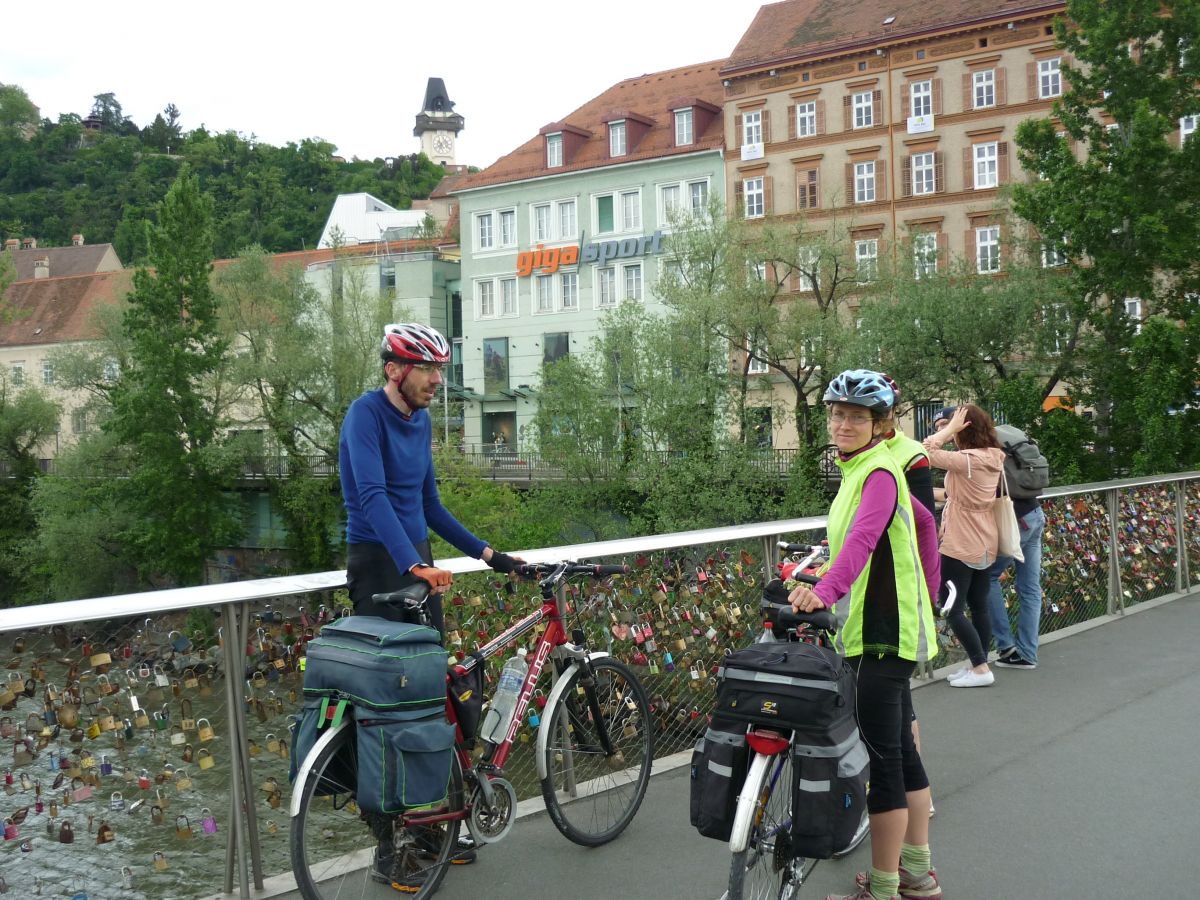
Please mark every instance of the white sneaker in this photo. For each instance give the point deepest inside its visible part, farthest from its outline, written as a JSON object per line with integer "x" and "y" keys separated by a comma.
{"x": 954, "y": 676}
{"x": 973, "y": 679}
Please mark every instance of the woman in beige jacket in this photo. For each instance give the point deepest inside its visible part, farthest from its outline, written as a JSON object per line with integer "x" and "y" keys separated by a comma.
{"x": 968, "y": 536}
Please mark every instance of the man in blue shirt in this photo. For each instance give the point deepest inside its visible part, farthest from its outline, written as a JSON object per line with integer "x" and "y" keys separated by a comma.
{"x": 388, "y": 483}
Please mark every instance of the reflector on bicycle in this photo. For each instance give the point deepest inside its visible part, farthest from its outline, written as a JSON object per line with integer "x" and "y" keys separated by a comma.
{"x": 767, "y": 742}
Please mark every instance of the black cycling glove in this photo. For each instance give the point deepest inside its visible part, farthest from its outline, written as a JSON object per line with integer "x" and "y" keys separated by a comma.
{"x": 503, "y": 563}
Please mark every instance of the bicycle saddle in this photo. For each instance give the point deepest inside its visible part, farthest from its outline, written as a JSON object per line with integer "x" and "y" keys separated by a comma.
{"x": 409, "y": 597}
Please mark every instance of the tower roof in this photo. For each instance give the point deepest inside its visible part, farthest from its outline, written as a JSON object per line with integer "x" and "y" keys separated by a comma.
{"x": 438, "y": 112}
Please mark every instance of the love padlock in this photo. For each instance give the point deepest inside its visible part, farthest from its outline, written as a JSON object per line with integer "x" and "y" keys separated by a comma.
{"x": 183, "y": 828}
{"x": 160, "y": 861}
{"x": 204, "y": 730}
{"x": 144, "y": 780}
{"x": 116, "y": 801}
{"x": 204, "y": 759}
{"x": 534, "y": 719}
{"x": 208, "y": 821}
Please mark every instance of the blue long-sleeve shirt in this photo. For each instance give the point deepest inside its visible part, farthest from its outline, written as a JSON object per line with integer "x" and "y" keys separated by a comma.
{"x": 388, "y": 483}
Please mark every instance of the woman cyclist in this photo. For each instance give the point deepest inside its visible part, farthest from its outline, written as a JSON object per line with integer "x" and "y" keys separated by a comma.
{"x": 883, "y": 557}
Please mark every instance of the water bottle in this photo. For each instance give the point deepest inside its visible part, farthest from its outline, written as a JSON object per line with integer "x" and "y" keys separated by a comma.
{"x": 504, "y": 701}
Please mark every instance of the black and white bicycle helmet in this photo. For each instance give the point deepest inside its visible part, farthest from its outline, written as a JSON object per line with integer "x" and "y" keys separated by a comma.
{"x": 861, "y": 387}
{"x": 412, "y": 342}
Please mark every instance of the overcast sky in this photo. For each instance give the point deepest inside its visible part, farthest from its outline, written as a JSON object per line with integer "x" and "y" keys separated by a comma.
{"x": 354, "y": 73}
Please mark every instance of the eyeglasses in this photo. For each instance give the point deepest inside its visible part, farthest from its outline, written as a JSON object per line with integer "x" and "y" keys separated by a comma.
{"x": 837, "y": 418}
{"x": 427, "y": 367}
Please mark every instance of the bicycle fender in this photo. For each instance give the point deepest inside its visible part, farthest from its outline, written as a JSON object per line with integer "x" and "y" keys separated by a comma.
{"x": 543, "y": 734}
{"x": 739, "y": 836}
{"x": 305, "y": 768}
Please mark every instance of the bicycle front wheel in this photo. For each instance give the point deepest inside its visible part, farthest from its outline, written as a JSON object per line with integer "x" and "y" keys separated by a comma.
{"x": 766, "y": 870}
{"x": 599, "y": 746}
{"x": 338, "y": 851}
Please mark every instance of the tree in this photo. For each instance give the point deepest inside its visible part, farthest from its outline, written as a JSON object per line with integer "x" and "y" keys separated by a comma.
{"x": 1125, "y": 214}
{"x": 108, "y": 110}
{"x": 162, "y": 409}
{"x": 16, "y": 109}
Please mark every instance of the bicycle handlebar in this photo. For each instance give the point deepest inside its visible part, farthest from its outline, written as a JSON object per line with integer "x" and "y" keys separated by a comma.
{"x": 795, "y": 548}
{"x": 775, "y": 607}
{"x": 569, "y": 568}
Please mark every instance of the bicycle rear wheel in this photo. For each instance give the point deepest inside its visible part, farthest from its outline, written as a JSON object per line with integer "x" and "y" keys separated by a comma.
{"x": 334, "y": 844}
{"x": 766, "y": 870}
{"x": 592, "y": 788}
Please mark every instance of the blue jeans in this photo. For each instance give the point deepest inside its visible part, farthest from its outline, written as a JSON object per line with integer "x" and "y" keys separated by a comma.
{"x": 1029, "y": 590}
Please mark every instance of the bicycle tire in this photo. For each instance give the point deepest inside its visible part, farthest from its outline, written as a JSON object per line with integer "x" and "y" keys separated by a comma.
{"x": 592, "y": 796}
{"x": 766, "y": 870}
{"x": 860, "y": 835}
{"x": 333, "y": 843}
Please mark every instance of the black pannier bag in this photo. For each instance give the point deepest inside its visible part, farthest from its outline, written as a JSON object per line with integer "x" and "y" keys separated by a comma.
{"x": 786, "y": 685}
{"x": 829, "y": 790}
{"x": 466, "y": 695}
{"x": 719, "y": 763}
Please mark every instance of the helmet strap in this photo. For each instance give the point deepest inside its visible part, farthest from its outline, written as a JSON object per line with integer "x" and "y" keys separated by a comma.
{"x": 399, "y": 382}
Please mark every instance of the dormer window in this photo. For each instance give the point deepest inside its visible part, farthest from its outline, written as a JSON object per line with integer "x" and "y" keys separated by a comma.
{"x": 617, "y": 145}
{"x": 554, "y": 150}
{"x": 683, "y": 127}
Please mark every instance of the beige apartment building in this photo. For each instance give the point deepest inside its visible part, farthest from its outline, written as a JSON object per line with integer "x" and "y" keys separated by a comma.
{"x": 896, "y": 121}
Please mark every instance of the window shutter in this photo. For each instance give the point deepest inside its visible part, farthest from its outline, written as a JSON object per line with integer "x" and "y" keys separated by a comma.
{"x": 943, "y": 251}
{"x": 848, "y": 113}
{"x": 876, "y": 108}
{"x": 968, "y": 169}
{"x": 814, "y": 199}
{"x": 939, "y": 171}
{"x": 820, "y": 117}
{"x": 737, "y": 130}
{"x": 880, "y": 181}
{"x": 1002, "y": 162}
{"x": 849, "y": 184}
{"x": 791, "y": 122}
{"x": 766, "y": 126}
{"x": 1001, "y": 87}
{"x": 1031, "y": 80}
{"x": 968, "y": 92}
{"x": 906, "y": 176}
{"x": 904, "y": 103}
{"x": 969, "y": 249}
{"x": 801, "y": 191}
{"x": 739, "y": 195}
{"x": 937, "y": 96}
{"x": 768, "y": 194}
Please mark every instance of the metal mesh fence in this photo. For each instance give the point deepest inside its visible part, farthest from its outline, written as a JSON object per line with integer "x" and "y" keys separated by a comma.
{"x": 164, "y": 686}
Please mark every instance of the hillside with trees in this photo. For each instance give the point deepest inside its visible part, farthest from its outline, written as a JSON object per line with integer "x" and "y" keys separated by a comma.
{"x": 102, "y": 176}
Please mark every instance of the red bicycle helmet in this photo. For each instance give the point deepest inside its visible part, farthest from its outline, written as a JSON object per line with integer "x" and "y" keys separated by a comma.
{"x": 413, "y": 342}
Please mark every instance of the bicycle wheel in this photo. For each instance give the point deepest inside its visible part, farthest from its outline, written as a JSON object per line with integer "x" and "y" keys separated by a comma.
{"x": 334, "y": 843}
{"x": 765, "y": 870}
{"x": 860, "y": 835}
{"x": 592, "y": 794}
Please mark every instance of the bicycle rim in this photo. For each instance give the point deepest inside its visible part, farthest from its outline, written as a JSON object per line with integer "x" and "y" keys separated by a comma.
{"x": 765, "y": 870}
{"x": 592, "y": 796}
{"x": 334, "y": 844}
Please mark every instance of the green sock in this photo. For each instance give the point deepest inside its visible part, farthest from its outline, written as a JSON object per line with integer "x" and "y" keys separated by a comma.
{"x": 915, "y": 859}
{"x": 884, "y": 885}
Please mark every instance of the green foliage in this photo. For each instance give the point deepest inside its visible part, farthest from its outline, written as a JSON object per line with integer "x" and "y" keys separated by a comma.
{"x": 1164, "y": 413}
{"x": 16, "y": 109}
{"x": 65, "y": 180}
{"x": 26, "y": 420}
{"x": 162, "y": 404}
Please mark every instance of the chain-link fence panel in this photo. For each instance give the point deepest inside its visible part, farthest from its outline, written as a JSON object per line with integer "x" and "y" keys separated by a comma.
{"x": 1191, "y": 525}
{"x": 1146, "y": 541}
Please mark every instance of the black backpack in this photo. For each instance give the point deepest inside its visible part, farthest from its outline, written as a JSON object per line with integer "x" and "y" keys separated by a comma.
{"x": 1025, "y": 468}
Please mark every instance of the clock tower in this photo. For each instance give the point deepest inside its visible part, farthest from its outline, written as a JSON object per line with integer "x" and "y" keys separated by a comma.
{"x": 438, "y": 124}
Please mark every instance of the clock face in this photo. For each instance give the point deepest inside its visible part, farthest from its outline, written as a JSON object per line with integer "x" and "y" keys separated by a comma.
{"x": 442, "y": 144}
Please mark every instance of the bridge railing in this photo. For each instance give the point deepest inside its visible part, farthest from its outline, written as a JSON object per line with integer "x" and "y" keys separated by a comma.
{"x": 181, "y": 699}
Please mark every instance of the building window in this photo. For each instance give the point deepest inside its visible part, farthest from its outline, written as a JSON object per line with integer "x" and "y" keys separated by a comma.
{"x": 920, "y": 96}
{"x": 567, "y": 224}
{"x": 486, "y": 291}
{"x": 631, "y": 210}
{"x": 755, "y": 364}
{"x": 698, "y": 196}
{"x": 555, "y": 346}
{"x": 1187, "y": 126}
{"x": 495, "y": 365}
{"x": 924, "y": 180}
{"x": 508, "y": 296}
{"x": 1133, "y": 309}
{"x": 1060, "y": 325}
{"x": 111, "y": 371}
{"x": 752, "y": 132}
{"x": 17, "y": 373}
{"x": 541, "y": 222}
{"x": 606, "y": 286}
{"x": 864, "y": 109}
{"x": 683, "y": 127}
{"x": 987, "y": 170}
{"x": 78, "y": 421}
{"x": 669, "y": 199}
{"x": 544, "y": 293}
{"x": 808, "y": 268}
{"x": 864, "y": 182}
{"x": 753, "y": 198}
{"x": 866, "y": 259}
{"x": 924, "y": 254}
{"x": 484, "y": 239}
{"x": 1049, "y": 78}
{"x": 47, "y": 372}
{"x": 987, "y": 249}
{"x": 1053, "y": 257}
{"x": 569, "y": 282}
{"x": 605, "y": 222}
{"x": 984, "y": 88}
{"x": 633, "y": 281}
{"x": 508, "y": 228}
{"x": 554, "y": 151}
{"x": 806, "y": 119}
{"x": 387, "y": 276}
{"x": 807, "y": 189}
{"x": 616, "y": 139}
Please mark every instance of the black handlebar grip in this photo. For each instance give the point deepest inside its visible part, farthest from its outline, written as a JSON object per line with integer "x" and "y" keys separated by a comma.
{"x": 600, "y": 571}
{"x": 786, "y": 617}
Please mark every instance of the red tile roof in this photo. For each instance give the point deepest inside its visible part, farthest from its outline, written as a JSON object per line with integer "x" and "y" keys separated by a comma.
{"x": 648, "y": 97}
{"x": 795, "y": 29}
{"x": 56, "y": 310}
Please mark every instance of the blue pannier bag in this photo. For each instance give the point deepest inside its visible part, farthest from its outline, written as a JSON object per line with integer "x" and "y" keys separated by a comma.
{"x": 403, "y": 762}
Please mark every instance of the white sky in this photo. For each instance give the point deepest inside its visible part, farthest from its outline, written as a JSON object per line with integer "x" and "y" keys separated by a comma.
{"x": 354, "y": 73}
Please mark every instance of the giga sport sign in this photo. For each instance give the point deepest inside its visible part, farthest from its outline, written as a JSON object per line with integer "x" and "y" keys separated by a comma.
{"x": 547, "y": 262}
